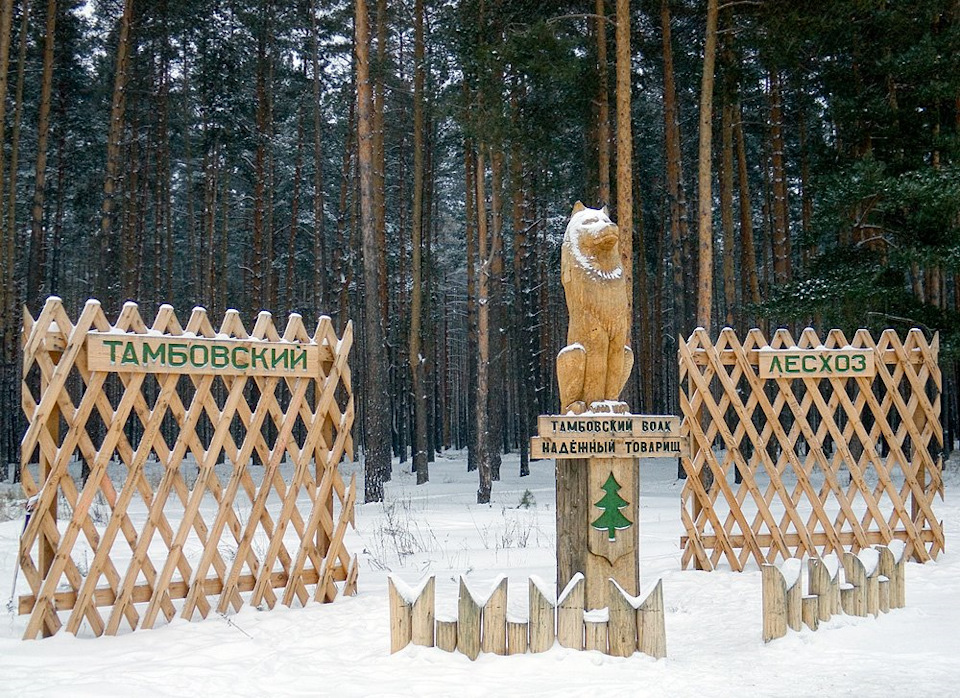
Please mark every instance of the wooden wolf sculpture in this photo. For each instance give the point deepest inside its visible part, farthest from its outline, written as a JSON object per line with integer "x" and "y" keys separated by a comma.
{"x": 593, "y": 368}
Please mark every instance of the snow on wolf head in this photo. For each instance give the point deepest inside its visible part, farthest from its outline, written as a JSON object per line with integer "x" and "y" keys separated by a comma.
{"x": 593, "y": 368}
{"x": 592, "y": 241}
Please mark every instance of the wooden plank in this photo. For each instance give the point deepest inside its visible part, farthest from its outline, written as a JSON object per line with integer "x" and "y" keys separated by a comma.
{"x": 855, "y": 599}
{"x": 516, "y": 637}
{"x": 542, "y": 619}
{"x": 774, "y": 593}
{"x": 468, "y": 623}
{"x": 132, "y": 353}
{"x": 611, "y": 425}
{"x": 177, "y": 589}
{"x": 423, "y": 615}
{"x": 600, "y": 446}
{"x": 622, "y": 628}
{"x": 883, "y": 594}
{"x": 572, "y": 510}
{"x": 494, "y": 639}
{"x": 570, "y": 608}
{"x": 825, "y": 587}
{"x": 810, "y": 611}
{"x": 447, "y": 635}
{"x": 892, "y": 569}
{"x": 400, "y": 618}
{"x": 595, "y": 635}
{"x": 651, "y": 624}
{"x": 848, "y": 362}
{"x": 614, "y": 503}
{"x": 795, "y": 603}
{"x": 847, "y": 538}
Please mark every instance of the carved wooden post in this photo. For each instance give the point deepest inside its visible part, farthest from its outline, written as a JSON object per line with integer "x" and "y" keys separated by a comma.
{"x": 595, "y": 441}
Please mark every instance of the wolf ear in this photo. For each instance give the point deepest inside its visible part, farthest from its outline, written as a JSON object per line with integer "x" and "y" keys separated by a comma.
{"x": 577, "y": 208}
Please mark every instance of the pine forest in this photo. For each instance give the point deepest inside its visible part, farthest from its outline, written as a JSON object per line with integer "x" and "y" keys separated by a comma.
{"x": 410, "y": 167}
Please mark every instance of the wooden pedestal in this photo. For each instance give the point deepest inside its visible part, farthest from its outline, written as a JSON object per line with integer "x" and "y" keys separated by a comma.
{"x": 598, "y": 525}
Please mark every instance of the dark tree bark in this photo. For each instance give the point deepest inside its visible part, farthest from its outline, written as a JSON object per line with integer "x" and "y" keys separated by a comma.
{"x": 376, "y": 412}
{"x": 420, "y": 462}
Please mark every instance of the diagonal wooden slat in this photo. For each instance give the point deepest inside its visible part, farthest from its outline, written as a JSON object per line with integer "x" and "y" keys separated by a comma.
{"x": 791, "y": 426}
{"x": 137, "y": 416}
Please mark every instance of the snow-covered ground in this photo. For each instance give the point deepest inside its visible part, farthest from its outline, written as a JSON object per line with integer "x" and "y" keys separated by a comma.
{"x": 713, "y": 624}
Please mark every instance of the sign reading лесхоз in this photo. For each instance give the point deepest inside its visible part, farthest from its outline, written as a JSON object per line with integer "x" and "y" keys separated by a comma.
{"x": 817, "y": 363}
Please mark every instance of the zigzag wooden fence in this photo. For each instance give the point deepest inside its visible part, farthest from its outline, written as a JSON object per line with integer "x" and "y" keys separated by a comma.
{"x": 629, "y": 624}
{"x": 143, "y": 440}
{"x": 818, "y": 458}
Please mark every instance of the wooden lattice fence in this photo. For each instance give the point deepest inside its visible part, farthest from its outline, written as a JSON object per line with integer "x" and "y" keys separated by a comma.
{"x": 815, "y": 464}
{"x": 193, "y": 468}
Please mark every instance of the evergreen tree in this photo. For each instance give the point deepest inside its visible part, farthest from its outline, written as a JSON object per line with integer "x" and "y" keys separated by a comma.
{"x": 612, "y": 519}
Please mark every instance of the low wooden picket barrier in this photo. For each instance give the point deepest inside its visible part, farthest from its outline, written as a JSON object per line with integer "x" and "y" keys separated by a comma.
{"x": 873, "y": 583}
{"x": 151, "y": 531}
{"x": 809, "y": 447}
{"x": 629, "y": 625}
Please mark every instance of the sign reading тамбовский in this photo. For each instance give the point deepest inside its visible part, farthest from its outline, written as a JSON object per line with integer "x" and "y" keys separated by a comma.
{"x": 162, "y": 354}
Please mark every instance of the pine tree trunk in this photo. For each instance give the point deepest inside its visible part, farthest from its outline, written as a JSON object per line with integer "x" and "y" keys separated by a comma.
{"x": 704, "y": 189}
{"x": 376, "y": 412}
{"x": 483, "y": 339}
{"x": 420, "y": 462}
{"x": 106, "y": 271}
{"x": 675, "y": 190}
{"x": 624, "y": 148}
{"x": 470, "y": 211}
{"x": 294, "y": 215}
{"x": 321, "y": 262}
{"x": 781, "y": 229}
{"x": 6, "y": 245}
{"x": 37, "y": 267}
{"x": 497, "y": 370}
{"x": 603, "y": 107}
{"x": 726, "y": 213}
{"x": 748, "y": 271}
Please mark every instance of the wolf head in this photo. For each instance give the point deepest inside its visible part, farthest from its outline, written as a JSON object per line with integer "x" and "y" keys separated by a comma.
{"x": 593, "y": 242}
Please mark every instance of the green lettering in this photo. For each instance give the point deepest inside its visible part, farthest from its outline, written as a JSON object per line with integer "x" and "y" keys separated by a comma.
{"x": 129, "y": 355}
{"x": 113, "y": 344}
{"x": 258, "y": 355}
{"x": 236, "y": 362}
{"x": 300, "y": 359}
{"x": 156, "y": 356}
{"x": 204, "y": 354}
{"x": 278, "y": 356}
{"x": 177, "y": 354}
{"x": 811, "y": 368}
{"x": 775, "y": 365}
{"x": 846, "y": 362}
{"x": 790, "y": 363}
{"x": 859, "y": 363}
{"x": 825, "y": 363}
{"x": 219, "y": 356}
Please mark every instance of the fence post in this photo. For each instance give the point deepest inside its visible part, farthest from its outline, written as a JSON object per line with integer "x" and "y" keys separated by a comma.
{"x": 423, "y": 615}
{"x": 401, "y": 611}
{"x": 853, "y": 595}
{"x": 570, "y": 614}
{"x": 495, "y": 620}
{"x": 447, "y": 635}
{"x": 623, "y": 622}
{"x": 651, "y": 629}
{"x": 542, "y": 619}
{"x": 469, "y": 622}
{"x": 774, "y": 592}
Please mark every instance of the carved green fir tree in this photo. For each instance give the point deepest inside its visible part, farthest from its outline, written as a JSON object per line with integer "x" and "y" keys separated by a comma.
{"x": 612, "y": 519}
